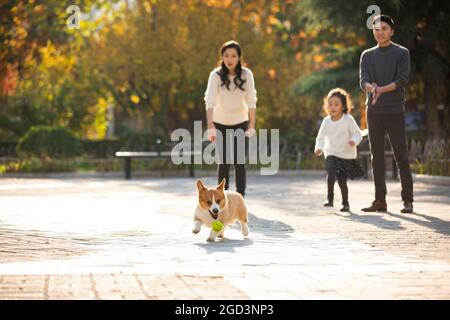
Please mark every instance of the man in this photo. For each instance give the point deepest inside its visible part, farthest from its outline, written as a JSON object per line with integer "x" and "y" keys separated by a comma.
{"x": 383, "y": 74}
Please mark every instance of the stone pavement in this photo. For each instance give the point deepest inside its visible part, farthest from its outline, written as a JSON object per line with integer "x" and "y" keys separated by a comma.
{"x": 116, "y": 239}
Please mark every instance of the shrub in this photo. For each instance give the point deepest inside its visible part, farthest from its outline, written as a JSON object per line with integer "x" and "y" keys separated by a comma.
{"x": 49, "y": 142}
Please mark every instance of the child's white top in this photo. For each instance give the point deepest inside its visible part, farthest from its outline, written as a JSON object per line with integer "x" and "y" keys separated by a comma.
{"x": 334, "y": 136}
{"x": 230, "y": 106}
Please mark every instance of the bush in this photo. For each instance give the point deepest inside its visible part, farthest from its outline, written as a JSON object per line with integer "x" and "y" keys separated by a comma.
{"x": 100, "y": 149}
{"x": 142, "y": 141}
{"x": 49, "y": 142}
{"x": 8, "y": 148}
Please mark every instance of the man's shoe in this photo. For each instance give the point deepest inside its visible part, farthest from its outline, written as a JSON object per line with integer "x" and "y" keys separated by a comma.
{"x": 407, "y": 207}
{"x": 328, "y": 204}
{"x": 345, "y": 207}
{"x": 377, "y": 206}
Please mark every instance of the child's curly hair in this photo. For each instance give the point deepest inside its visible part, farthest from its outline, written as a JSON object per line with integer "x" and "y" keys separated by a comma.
{"x": 343, "y": 95}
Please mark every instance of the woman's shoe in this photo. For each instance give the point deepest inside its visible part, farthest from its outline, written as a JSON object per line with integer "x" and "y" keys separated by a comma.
{"x": 328, "y": 204}
{"x": 345, "y": 207}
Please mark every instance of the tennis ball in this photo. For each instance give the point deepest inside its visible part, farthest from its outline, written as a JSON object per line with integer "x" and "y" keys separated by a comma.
{"x": 217, "y": 226}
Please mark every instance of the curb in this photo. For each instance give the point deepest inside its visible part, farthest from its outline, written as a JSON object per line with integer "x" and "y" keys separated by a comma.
{"x": 150, "y": 174}
{"x": 436, "y": 180}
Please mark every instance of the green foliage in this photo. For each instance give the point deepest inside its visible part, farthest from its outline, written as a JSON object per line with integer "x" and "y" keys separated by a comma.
{"x": 434, "y": 167}
{"x": 339, "y": 34}
{"x": 104, "y": 148}
{"x": 47, "y": 141}
{"x": 318, "y": 84}
{"x": 126, "y": 60}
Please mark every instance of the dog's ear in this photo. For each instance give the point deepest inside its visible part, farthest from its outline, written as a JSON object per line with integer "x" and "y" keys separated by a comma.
{"x": 200, "y": 185}
{"x": 222, "y": 184}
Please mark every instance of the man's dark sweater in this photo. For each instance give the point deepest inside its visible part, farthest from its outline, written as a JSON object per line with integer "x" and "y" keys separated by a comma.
{"x": 384, "y": 65}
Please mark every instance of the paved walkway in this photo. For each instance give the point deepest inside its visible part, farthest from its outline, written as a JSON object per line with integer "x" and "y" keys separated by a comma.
{"x": 115, "y": 239}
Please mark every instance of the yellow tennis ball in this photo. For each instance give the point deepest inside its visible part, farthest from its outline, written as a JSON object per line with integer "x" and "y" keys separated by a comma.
{"x": 217, "y": 226}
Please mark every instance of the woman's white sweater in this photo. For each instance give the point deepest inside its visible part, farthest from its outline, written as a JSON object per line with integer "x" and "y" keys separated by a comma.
{"x": 230, "y": 106}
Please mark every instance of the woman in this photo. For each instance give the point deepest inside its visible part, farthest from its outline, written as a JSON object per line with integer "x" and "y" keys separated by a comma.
{"x": 230, "y": 104}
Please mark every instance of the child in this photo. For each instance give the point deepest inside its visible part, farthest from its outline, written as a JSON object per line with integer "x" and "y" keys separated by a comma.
{"x": 337, "y": 140}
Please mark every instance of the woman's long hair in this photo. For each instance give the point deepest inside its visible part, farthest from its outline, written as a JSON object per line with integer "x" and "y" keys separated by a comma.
{"x": 224, "y": 72}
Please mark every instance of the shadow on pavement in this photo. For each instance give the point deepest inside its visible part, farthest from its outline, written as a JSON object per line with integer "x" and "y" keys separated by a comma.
{"x": 266, "y": 227}
{"x": 18, "y": 245}
{"x": 225, "y": 245}
{"x": 433, "y": 223}
{"x": 436, "y": 191}
{"x": 378, "y": 221}
{"x": 269, "y": 228}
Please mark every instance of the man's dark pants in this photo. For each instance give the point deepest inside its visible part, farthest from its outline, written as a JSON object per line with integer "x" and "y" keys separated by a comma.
{"x": 394, "y": 125}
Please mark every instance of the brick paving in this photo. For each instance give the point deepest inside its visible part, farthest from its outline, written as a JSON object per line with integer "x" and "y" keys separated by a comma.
{"x": 115, "y": 239}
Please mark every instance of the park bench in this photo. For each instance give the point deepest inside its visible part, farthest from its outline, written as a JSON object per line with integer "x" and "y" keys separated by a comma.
{"x": 127, "y": 156}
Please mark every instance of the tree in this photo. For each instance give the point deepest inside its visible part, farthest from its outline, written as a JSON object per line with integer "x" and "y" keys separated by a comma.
{"x": 422, "y": 30}
{"x": 164, "y": 50}
{"x": 37, "y": 61}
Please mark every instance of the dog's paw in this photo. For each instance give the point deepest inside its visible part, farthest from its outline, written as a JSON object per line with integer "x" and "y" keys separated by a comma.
{"x": 210, "y": 239}
{"x": 195, "y": 231}
{"x": 244, "y": 229}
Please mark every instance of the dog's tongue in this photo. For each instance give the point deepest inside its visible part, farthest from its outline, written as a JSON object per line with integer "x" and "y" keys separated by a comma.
{"x": 214, "y": 215}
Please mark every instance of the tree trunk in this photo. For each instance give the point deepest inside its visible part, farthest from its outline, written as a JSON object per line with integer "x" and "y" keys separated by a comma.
{"x": 433, "y": 126}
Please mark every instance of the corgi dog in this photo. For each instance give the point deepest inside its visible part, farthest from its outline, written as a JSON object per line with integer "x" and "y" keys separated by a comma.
{"x": 222, "y": 205}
